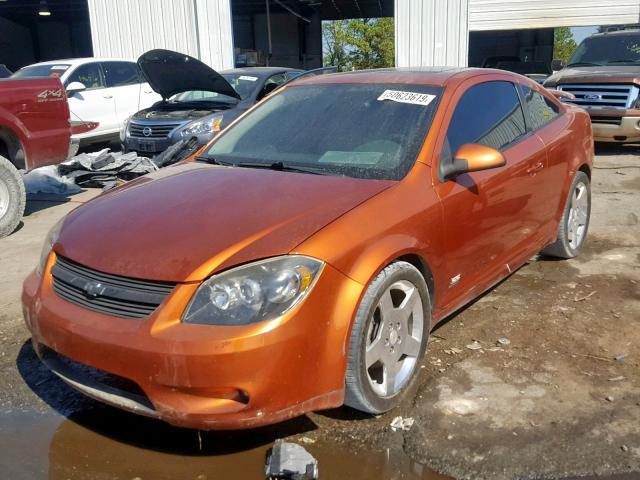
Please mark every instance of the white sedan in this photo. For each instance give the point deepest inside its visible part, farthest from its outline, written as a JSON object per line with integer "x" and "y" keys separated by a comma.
{"x": 103, "y": 90}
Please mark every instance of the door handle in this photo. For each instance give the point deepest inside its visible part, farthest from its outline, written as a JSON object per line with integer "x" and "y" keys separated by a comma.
{"x": 535, "y": 169}
{"x": 148, "y": 91}
{"x": 108, "y": 96}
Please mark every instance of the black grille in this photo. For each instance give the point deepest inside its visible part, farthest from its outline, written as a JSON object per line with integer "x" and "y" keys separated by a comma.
{"x": 607, "y": 120}
{"x": 105, "y": 293}
{"x": 155, "y": 131}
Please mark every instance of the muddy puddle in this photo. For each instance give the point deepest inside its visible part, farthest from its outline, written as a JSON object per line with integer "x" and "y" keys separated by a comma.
{"x": 108, "y": 445}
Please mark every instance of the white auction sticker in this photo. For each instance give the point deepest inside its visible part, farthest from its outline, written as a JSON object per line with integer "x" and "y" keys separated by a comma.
{"x": 248, "y": 78}
{"x": 407, "y": 97}
{"x": 59, "y": 67}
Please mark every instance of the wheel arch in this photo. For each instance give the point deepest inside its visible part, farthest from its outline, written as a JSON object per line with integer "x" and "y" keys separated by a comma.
{"x": 11, "y": 148}
{"x": 584, "y": 168}
{"x": 425, "y": 270}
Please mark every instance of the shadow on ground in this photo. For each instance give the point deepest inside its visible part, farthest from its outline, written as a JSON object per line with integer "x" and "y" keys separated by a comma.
{"x": 139, "y": 431}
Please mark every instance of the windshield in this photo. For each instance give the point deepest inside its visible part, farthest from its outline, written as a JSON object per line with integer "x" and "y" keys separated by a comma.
{"x": 243, "y": 84}
{"x": 612, "y": 49}
{"x": 36, "y": 71}
{"x": 359, "y": 130}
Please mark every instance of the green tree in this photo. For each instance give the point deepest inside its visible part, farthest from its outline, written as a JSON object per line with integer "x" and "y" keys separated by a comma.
{"x": 359, "y": 44}
{"x": 335, "y": 45}
{"x": 563, "y": 43}
{"x": 372, "y": 42}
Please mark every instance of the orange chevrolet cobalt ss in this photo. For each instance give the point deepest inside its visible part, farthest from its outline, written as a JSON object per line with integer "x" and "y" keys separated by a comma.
{"x": 301, "y": 261}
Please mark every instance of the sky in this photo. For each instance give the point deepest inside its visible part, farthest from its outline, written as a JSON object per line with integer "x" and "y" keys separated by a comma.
{"x": 580, "y": 33}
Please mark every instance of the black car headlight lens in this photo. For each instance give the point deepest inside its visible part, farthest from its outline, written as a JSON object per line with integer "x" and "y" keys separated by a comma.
{"x": 255, "y": 292}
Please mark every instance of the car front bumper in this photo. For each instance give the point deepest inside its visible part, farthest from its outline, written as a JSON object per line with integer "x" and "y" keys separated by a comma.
{"x": 621, "y": 130}
{"x": 198, "y": 376}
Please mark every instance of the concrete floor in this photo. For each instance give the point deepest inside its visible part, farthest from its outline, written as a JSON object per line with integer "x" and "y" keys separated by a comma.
{"x": 553, "y": 403}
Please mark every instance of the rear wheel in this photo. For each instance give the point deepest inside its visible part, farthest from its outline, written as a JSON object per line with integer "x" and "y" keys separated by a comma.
{"x": 388, "y": 339}
{"x": 12, "y": 197}
{"x": 572, "y": 231}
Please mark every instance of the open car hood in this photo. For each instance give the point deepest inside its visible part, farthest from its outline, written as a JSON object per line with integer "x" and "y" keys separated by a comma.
{"x": 170, "y": 73}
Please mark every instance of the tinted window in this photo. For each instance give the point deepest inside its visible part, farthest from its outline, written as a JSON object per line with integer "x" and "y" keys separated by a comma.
{"x": 118, "y": 74}
{"x": 90, "y": 75}
{"x": 540, "y": 110}
{"x": 345, "y": 129}
{"x": 489, "y": 114}
{"x": 35, "y": 71}
{"x": 618, "y": 49}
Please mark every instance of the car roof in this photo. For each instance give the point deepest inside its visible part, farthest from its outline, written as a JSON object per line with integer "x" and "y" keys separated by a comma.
{"x": 631, "y": 31}
{"x": 261, "y": 71}
{"x": 437, "y": 76}
{"x": 79, "y": 61}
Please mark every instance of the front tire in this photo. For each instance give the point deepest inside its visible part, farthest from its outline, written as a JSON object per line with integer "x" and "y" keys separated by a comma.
{"x": 388, "y": 339}
{"x": 12, "y": 197}
{"x": 572, "y": 231}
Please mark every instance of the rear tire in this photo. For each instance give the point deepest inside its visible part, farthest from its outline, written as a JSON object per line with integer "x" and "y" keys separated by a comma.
{"x": 388, "y": 339}
{"x": 572, "y": 231}
{"x": 12, "y": 197}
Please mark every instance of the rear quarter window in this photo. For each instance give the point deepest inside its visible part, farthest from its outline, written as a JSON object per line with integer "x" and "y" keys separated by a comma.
{"x": 540, "y": 110}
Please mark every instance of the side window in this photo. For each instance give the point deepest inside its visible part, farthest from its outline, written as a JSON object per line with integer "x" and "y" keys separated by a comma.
{"x": 119, "y": 74}
{"x": 488, "y": 113}
{"x": 271, "y": 84}
{"x": 89, "y": 74}
{"x": 540, "y": 110}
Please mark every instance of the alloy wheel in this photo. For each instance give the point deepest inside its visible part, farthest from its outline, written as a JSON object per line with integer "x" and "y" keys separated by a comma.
{"x": 578, "y": 215}
{"x": 394, "y": 338}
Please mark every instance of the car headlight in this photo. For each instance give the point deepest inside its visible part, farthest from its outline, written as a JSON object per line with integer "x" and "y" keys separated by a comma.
{"x": 123, "y": 129}
{"x": 255, "y": 292}
{"x": 199, "y": 127}
{"x": 49, "y": 241}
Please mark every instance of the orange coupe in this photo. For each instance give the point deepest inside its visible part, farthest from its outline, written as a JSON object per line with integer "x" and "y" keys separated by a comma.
{"x": 300, "y": 262}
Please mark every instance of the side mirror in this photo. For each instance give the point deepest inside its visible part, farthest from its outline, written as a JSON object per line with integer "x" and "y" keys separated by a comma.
{"x": 560, "y": 95}
{"x": 75, "y": 87}
{"x": 557, "y": 64}
{"x": 473, "y": 158}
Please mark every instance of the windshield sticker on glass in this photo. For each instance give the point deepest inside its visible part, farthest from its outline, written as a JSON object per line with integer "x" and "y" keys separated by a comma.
{"x": 59, "y": 67}
{"x": 407, "y": 97}
{"x": 247, "y": 78}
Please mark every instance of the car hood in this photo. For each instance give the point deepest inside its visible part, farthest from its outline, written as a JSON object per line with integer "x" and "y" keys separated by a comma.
{"x": 621, "y": 73}
{"x": 170, "y": 73}
{"x": 185, "y": 222}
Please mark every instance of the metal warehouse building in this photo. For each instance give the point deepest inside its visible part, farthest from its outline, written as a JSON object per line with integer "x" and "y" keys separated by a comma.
{"x": 224, "y": 33}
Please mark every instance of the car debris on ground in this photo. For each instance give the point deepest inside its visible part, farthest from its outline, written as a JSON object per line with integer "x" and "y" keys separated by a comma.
{"x": 103, "y": 169}
{"x": 399, "y": 423}
{"x": 290, "y": 461}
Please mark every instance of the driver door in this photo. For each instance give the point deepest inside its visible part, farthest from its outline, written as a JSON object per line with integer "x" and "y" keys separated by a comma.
{"x": 489, "y": 216}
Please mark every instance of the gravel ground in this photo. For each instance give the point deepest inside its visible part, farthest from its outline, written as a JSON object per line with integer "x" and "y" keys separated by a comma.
{"x": 543, "y": 397}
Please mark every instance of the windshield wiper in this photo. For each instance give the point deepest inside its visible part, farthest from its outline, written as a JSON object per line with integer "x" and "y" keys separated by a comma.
{"x": 584, "y": 64}
{"x": 282, "y": 167}
{"x": 213, "y": 161}
{"x": 622, "y": 60}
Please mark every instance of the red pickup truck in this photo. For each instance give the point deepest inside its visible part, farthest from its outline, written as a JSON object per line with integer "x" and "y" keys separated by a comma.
{"x": 34, "y": 131}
